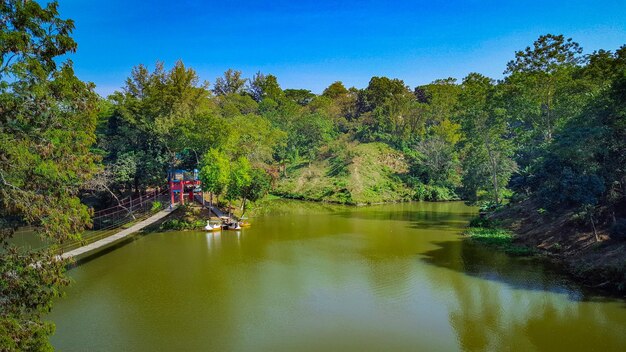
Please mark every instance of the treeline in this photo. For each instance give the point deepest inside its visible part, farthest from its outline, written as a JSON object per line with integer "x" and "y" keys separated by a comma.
{"x": 552, "y": 129}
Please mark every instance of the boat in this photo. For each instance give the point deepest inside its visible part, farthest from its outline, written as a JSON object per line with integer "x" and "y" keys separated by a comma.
{"x": 243, "y": 222}
{"x": 212, "y": 227}
{"x": 231, "y": 225}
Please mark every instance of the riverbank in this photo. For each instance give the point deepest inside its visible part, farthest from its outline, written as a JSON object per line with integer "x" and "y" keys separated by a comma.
{"x": 378, "y": 272}
{"x": 564, "y": 239}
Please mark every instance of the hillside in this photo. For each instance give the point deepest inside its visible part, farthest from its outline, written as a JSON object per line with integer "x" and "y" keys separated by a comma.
{"x": 357, "y": 173}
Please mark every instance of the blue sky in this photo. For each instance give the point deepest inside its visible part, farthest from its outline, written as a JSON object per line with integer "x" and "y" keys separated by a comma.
{"x": 312, "y": 44}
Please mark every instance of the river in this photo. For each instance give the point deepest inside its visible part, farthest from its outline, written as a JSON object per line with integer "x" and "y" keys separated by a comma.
{"x": 315, "y": 277}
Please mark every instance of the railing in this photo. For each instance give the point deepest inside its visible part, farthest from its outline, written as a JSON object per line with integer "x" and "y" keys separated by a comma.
{"x": 106, "y": 222}
{"x": 109, "y": 221}
{"x": 127, "y": 211}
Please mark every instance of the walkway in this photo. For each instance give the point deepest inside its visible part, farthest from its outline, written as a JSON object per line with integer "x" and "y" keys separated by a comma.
{"x": 105, "y": 242}
{"x": 214, "y": 210}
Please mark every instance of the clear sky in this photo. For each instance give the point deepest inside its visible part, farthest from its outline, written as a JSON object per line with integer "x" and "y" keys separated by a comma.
{"x": 312, "y": 44}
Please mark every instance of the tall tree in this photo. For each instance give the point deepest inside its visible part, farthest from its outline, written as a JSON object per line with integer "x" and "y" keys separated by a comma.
{"x": 335, "y": 90}
{"x": 299, "y": 96}
{"x": 156, "y": 117}
{"x": 264, "y": 86}
{"x": 260, "y": 184}
{"x": 231, "y": 83}
{"x": 487, "y": 153}
{"x": 47, "y": 125}
{"x": 539, "y": 78}
{"x": 214, "y": 172}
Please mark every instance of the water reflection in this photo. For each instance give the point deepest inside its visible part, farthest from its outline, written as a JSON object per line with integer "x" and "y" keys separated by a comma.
{"x": 519, "y": 273}
{"x": 537, "y": 309}
{"x": 393, "y": 277}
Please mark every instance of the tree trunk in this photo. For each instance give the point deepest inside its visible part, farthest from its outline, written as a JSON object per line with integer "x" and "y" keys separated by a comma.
{"x": 136, "y": 184}
{"x": 119, "y": 203}
{"x": 593, "y": 226}
{"x": 494, "y": 175}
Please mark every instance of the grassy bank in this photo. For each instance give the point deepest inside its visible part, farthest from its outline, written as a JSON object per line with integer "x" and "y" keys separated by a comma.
{"x": 356, "y": 174}
{"x": 187, "y": 217}
{"x": 499, "y": 238}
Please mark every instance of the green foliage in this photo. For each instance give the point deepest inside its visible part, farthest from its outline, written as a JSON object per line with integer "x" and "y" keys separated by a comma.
{"x": 214, "y": 172}
{"x": 299, "y": 96}
{"x": 254, "y": 138}
{"x": 335, "y": 90}
{"x": 426, "y": 192}
{"x": 47, "y": 127}
{"x": 498, "y": 238}
{"x": 260, "y": 184}
{"x": 231, "y": 83}
{"x": 553, "y": 131}
{"x": 158, "y": 116}
{"x": 308, "y": 133}
{"x": 156, "y": 206}
{"x": 486, "y": 156}
{"x": 240, "y": 178}
{"x": 482, "y": 222}
{"x": 349, "y": 173}
{"x": 181, "y": 225}
{"x": 262, "y": 87}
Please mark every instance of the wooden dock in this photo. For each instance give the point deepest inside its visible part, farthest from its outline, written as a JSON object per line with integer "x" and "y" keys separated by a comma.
{"x": 89, "y": 249}
{"x": 213, "y": 209}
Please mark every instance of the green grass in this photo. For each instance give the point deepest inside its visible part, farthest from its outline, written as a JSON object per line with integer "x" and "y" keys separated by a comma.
{"x": 498, "y": 238}
{"x": 370, "y": 173}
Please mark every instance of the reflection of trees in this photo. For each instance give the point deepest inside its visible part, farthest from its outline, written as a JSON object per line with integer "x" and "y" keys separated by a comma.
{"x": 501, "y": 303}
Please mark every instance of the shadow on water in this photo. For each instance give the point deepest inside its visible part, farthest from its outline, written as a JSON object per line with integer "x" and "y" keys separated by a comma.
{"x": 534, "y": 274}
{"x": 404, "y": 215}
{"x": 99, "y": 253}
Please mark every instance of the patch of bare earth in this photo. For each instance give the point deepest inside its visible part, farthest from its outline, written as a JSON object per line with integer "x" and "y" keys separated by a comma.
{"x": 597, "y": 263}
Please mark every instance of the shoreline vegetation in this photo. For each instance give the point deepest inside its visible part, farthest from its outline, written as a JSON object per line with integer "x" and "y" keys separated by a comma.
{"x": 560, "y": 238}
{"x": 548, "y": 140}
{"x": 597, "y": 265}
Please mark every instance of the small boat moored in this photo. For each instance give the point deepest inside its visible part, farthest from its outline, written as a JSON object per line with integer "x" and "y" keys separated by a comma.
{"x": 232, "y": 226}
{"x": 212, "y": 227}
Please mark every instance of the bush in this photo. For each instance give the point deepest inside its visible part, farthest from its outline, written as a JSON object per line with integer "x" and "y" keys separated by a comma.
{"x": 481, "y": 221}
{"x": 433, "y": 193}
{"x": 177, "y": 224}
{"x": 156, "y": 205}
{"x": 618, "y": 230}
{"x": 498, "y": 238}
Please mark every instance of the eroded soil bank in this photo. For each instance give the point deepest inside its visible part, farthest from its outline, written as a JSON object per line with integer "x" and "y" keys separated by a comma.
{"x": 596, "y": 262}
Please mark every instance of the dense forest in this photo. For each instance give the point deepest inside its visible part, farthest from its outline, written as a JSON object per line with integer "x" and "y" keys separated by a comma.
{"x": 552, "y": 131}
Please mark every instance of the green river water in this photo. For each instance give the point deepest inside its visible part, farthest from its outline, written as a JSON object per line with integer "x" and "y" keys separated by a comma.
{"x": 313, "y": 277}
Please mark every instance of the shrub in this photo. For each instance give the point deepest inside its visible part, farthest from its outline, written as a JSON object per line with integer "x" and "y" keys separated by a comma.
{"x": 498, "y": 238}
{"x": 156, "y": 205}
{"x": 177, "y": 224}
{"x": 481, "y": 221}
{"x": 433, "y": 193}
